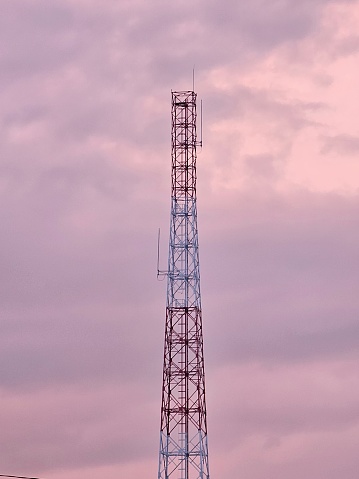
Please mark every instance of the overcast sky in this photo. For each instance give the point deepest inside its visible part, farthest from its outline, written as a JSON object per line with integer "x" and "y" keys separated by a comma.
{"x": 85, "y": 92}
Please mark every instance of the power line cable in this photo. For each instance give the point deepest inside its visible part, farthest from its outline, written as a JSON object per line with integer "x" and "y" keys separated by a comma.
{"x": 18, "y": 477}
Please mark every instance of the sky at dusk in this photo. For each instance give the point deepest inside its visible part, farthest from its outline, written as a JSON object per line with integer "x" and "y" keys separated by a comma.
{"x": 85, "y": 94}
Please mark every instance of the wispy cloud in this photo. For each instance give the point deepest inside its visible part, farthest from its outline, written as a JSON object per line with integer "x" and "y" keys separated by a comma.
{"x": 84, "y": 185}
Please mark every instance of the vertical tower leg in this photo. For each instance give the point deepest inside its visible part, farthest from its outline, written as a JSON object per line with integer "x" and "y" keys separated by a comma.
{"x": 183, "y": 439}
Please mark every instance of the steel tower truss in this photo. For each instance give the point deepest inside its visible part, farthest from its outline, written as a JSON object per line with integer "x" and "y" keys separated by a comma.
{"x": 183, "y": 441}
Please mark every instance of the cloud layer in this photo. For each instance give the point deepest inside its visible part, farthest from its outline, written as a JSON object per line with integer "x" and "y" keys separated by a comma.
{"x": 85, "y": 184}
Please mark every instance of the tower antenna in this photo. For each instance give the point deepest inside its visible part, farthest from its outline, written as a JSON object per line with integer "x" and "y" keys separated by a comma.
{"x": 183, "y": 437}
{"x": 160, "y": 273}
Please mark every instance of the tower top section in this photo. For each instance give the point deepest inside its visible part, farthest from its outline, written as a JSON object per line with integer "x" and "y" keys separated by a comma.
{"x": 184, "y": 144}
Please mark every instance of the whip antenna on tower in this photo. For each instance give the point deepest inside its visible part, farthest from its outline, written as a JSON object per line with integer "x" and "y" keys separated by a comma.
{"x": 160, "y": 273}
{"x": 183, "y": 450}
{"x": 201, "y": 140}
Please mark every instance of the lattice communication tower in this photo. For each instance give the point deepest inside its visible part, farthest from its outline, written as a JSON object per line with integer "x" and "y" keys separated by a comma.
{"x": 183, "y": 440}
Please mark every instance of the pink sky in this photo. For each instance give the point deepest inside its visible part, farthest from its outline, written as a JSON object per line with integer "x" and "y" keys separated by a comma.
{"x": 85, "y": 184}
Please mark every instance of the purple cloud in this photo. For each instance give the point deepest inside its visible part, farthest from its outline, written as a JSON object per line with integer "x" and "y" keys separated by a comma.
{"x": 85, "y": 184}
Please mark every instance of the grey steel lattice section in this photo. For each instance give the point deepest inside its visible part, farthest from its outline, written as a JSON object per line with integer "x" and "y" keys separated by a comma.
{"x": 183, "y": 441}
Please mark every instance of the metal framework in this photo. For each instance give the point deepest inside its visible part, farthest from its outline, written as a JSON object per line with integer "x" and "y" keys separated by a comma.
{"x": 183, "y": 440}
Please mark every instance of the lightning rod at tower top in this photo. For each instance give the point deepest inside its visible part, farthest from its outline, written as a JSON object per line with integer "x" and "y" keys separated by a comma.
{"x": 183, "y": 451}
